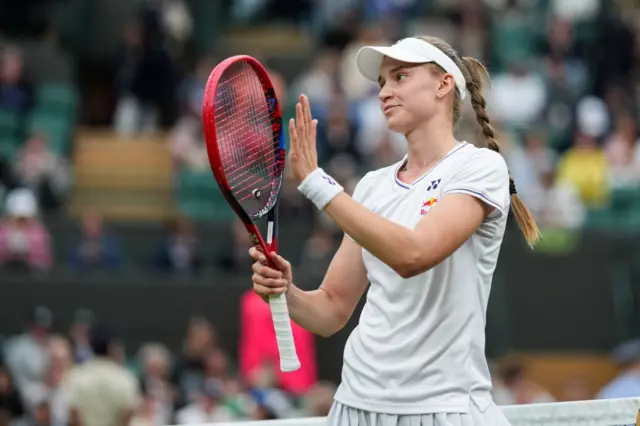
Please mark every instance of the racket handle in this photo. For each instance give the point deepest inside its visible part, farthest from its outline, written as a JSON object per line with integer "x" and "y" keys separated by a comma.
{"x": 284, "y": 335}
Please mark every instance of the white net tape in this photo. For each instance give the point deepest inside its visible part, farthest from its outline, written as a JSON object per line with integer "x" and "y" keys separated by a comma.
{"x": 610, "y": 412}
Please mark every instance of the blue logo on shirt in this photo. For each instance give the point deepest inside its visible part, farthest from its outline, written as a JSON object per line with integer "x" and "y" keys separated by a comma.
{"x": 434, "y": 184}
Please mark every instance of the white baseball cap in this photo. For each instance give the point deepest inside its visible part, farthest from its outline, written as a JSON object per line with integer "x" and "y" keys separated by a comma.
{"x": 21, "y": 202}
{"x": 412, "y": 50}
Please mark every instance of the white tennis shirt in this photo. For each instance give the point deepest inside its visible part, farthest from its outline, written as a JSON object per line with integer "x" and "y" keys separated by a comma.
{"x": 419, "y": 344}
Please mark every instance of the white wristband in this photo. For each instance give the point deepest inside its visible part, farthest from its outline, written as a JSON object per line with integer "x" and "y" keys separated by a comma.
{"x": 320, "y": 188}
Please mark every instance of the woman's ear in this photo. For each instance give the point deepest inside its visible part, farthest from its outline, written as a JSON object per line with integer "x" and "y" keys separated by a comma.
{"x": 447, "y": 84}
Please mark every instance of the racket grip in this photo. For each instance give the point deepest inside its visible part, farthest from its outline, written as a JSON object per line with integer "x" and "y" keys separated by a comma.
{"x": 284, "y": 335}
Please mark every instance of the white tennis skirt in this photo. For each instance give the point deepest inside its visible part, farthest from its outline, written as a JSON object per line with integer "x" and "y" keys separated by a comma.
{"x": 342, "y": 415}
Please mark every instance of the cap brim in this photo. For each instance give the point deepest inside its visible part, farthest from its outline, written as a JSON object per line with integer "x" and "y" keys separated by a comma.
{"x": 369, "y": 59}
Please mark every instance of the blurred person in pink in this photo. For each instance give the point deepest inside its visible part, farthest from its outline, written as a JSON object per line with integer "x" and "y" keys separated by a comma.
{"x": 24, "y": 241}
{"x": 258, "y": 346}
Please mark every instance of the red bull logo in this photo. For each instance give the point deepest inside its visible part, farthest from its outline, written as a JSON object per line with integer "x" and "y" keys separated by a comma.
{"x": 426, "y": 205}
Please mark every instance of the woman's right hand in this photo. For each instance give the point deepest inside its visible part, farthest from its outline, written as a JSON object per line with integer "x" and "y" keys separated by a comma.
{"x": 268, "y": 281}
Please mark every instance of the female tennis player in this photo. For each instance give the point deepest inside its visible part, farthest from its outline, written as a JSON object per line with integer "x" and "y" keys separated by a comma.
{"x": 425, "y": 233}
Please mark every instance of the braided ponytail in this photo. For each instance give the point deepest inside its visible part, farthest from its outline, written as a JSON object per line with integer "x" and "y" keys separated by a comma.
{"x": 476, "y": 76}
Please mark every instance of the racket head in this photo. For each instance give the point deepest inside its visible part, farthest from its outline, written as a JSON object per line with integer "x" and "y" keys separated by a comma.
{"x": 242, "y": 124}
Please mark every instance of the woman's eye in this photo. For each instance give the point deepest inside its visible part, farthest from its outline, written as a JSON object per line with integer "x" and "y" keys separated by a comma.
{"x": 401, "y": 76}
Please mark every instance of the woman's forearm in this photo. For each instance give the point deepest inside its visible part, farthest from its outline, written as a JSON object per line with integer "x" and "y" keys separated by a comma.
{"x": 393, "y": 244}
{"x": 315, "y": 311}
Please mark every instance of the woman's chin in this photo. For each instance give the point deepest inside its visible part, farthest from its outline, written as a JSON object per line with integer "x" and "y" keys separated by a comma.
{"x": 396, "y": 125}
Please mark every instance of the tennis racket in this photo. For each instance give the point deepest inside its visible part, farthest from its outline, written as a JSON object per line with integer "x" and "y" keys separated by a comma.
{"x": 243, "y": 131}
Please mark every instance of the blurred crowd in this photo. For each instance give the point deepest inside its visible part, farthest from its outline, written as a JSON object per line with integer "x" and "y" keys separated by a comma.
{"x": 564, "y": 98}
{"x": 87, "y": 377}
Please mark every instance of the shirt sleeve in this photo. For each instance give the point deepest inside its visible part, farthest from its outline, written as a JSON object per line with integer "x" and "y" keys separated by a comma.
{"x": 486, "y": 177}
{"x": 361, "y": 192}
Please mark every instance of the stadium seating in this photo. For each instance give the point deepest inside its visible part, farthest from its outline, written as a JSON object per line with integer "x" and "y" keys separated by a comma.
{"x": 622, "y": 213}
{"x": 126, "y": 179}
{"x": 199, "y": 196}
{"x": 11, "y": 132}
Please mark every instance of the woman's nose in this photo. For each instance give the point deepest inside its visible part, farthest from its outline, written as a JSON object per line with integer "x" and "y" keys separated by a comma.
{"x": 384, "y": 94}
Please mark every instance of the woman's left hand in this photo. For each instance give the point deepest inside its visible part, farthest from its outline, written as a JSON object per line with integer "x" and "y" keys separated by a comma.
{"x": 303, "y": 156}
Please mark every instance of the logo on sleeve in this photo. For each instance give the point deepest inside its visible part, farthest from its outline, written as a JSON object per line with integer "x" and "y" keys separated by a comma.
{"x": 427, "y": 205}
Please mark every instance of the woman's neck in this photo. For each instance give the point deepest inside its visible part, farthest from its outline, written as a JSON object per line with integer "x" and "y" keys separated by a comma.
{"x": 428, "y": 144}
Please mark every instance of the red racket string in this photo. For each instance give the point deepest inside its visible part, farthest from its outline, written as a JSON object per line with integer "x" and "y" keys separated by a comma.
{"x": 246, "y": 141}
{"x": 245, "y": 153}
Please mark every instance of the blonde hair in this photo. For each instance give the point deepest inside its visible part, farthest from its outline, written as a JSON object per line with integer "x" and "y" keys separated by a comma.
{"x": 476, "y": 75}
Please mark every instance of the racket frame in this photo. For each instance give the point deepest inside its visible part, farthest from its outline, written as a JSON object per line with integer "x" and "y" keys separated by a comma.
{"x": 286, "y": 346}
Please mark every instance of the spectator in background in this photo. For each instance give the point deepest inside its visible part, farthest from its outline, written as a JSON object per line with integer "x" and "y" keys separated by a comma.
{"x": 11, "y": 406}
{"x": 192, "y": 88}
{"x": 319, "y": 81}
{"x": 318, "y": 250}
{"x": 622, "y": 149}
{"x": 178, "y": 23}
{"x": 522, "y": 389}
{"x": 584, "y": 166}
{"x": 575, "y": 389}
{"x": 27, "y": 355}
{"x": 189, "y": 370}
{"x": 47, "y": 400}
{"x": 556, "y": 203}
{"x": 355, "y": 87}
{"x": 15, "y": 92}
{"x": 145, "y": 71}
{"x": 186, "y": 142}
{"x": 8, "y": 180}
{"x": 43, "y": 171}
{"x": 207, "y": 407}
{"x": 627, "y": 383}
{"x": 24, "y": 241}
{"x": 148, "y": 412}
{"x": 336, "y": 133}
{"x": 178, "y": 252}
{"x": 156, "y": 364}
{"x": 266, "y": 390}
{"x": 79, "y": 333}
{"x": 96, "y": 248}
{"x": 318, "y": 400}
{"x": 216, "y": 365}
{"x": 102, "y": 392}
{"x": 236, "y": 256}
{"x": 509, "y": 89}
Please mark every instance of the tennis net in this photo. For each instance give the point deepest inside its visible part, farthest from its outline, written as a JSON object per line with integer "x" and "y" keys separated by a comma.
{"x": 610, "y": 412}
